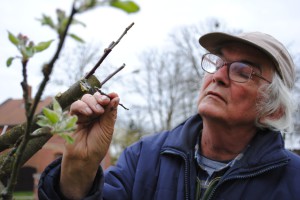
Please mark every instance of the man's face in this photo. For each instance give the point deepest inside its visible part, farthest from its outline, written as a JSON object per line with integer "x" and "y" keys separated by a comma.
{"x": 229, "y": 102}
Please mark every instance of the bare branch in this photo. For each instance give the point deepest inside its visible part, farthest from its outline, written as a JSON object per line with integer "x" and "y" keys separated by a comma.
{"x": 110, "y": 98}
{"x": 111, "y": 75}
{"x": 107, "y": 51}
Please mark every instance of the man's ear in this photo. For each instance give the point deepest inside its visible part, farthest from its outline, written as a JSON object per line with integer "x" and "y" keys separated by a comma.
{"x": 273, "y": 116}
{"x": 277, "y": 114}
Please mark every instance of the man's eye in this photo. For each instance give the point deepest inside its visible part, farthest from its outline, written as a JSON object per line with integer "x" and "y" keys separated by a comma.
{"x": 241, "y": 69}
{"x": 244, "y": 74}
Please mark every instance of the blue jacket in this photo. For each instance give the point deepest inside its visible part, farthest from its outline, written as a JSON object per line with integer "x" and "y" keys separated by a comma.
{"x": 163, "y": 167}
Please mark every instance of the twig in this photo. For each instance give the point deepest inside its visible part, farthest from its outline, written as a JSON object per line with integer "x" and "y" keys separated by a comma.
{"x": 25, "y": 86}
{"x": 111, "y": 75}
{"x": 106, "y": 52}
{"x": 98, "y": 89}
{"x": 117, "y": 42}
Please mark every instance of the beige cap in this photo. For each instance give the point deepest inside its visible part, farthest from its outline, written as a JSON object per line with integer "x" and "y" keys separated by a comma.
{"x": 264, "y": 42}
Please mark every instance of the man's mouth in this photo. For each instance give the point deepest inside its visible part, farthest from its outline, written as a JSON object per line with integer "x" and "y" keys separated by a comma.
{"x": 215, "y": 94}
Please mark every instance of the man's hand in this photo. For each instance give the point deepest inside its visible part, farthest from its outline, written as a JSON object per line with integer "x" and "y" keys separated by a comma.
{"x": 96, "y": 119}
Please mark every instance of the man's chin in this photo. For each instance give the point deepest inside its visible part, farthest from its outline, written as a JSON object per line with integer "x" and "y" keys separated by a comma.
{"x": 209, "y": 111}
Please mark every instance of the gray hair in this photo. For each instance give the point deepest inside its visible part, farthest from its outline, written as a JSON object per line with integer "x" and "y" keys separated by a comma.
{"x": 275, "y": 97}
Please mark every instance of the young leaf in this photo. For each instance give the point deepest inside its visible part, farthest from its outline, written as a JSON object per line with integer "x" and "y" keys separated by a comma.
{"x": 71, "y": 122}
{"x": 56, "y": 106}
{"x": 9, "y": 61}
{"x": 46, "y": 20}
{"x": 75, "y": 37}
{"x": 42, "y": 46}
{"x": 58, "y": 121}
{"x": 59, "y": 127}
{"x": 43, "y": 121}
{"x": 29, "y": 52}
{"x": 127, "y": 6}
{"x": 67, "y": 137}
{"x": 40, "y": 131}
{"x": 75, "y": 21}
{"x": 13, "y": 39}
{"x": 51, "y": 115}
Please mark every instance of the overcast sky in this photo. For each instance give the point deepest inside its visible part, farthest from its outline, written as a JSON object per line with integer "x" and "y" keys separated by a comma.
{"x": 156, "y": 19}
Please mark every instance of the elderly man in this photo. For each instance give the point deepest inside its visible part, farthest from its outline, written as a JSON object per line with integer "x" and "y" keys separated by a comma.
{"x": 232, "y": 149}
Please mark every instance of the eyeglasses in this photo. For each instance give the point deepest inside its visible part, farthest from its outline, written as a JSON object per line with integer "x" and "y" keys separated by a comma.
{"x": 237, "y": 71}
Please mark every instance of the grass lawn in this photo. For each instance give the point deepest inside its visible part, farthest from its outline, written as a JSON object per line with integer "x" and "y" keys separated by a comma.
{"x": 23, "y": 195}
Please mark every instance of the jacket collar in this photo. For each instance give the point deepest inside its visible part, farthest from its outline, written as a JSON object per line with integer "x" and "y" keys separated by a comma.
{"x": 184, "y": 136}
{"x": 266, "y": 147}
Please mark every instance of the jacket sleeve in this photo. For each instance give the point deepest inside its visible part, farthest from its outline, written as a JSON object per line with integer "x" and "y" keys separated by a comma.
{"x": 120, "y": 179}
{"x": 48, "y": 187}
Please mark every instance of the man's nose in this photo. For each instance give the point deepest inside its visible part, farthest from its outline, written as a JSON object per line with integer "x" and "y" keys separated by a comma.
{"x": 221, "y": 75}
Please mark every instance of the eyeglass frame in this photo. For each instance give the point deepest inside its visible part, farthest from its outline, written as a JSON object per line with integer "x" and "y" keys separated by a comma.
{"x": 228, "y": 64}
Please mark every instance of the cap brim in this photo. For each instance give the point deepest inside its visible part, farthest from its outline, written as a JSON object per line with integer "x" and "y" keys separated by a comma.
{"x": 214, "y": 41}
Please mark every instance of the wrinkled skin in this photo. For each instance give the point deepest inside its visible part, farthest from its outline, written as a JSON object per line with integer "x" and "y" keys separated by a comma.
{"x": 96, "y": 119}
{"x": 228, "y": 108}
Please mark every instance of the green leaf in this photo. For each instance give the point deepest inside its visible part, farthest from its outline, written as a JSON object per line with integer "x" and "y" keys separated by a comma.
{"x": 75, "y": 37}
{"x": 24, "y": 53}
{"x": 29, "y": 52}
{"x": 56, "y": 107}
{"x": 39, "y": 131}
{"x": 9, "y": 61}
{"x": 89, "y": 3}
{"x": 59, "y": 127}
{"x": 67, "y": 137}
{"x": 42, "y": 46}
{"x": 71, "y": 122}
{"x": 43, "y": 121}
{"x": 60, "y": 123}
{"x": 127, "y": 6}
{"x": 75, "y": 21}
{"x": 46, "y": 20}
{"x": 63, "y": 21}
{"x": 13, "y": 39}
{"x": 51, "y": 115}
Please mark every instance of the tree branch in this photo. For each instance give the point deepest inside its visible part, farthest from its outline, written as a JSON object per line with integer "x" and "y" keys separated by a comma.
{"x": 75, "y": 92}
{"x": 107, "y": 51}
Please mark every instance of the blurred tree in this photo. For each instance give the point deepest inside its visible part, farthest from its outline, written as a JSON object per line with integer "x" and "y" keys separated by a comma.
{"x": 78, "y": 60}
{"x": 293, "y": 139}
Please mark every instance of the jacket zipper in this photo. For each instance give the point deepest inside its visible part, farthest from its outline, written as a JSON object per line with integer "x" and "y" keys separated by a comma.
{"x": 186, "y": 169}
{"x": 246, "y": 176}
{"x": 211, "y": 186}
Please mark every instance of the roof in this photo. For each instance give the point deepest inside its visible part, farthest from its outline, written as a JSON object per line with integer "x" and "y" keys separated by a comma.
{"x": 12, "y": 111}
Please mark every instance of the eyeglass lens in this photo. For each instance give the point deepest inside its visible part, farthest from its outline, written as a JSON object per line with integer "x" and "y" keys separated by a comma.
{"x": 238, "y": 71}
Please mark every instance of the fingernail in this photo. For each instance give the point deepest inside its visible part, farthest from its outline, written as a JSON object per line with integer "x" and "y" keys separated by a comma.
{"x": 88, "y": 110}
{"x": 117, "y": 102}
{"x": 103, "y": 98}
{"x": 97, "y": 95}
{"x": 98, "y": 107}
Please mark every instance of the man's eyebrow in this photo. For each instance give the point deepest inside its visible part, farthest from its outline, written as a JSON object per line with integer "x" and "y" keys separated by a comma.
{"x": 253, "y": 64}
